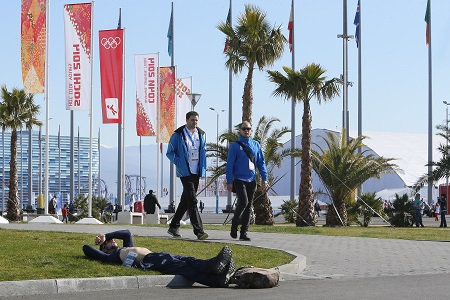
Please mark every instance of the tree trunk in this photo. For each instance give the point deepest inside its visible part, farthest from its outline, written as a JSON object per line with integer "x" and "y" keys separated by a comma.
{"x": 263, "y": 209}
{"x": 13, "y": 211}
{"x": 333, "y": 219}
{"x": 306, "y": 215}
{"x": 247, "y": 98}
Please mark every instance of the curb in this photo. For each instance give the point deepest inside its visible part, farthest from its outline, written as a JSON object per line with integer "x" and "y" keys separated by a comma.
{"x": 288, "y": 272}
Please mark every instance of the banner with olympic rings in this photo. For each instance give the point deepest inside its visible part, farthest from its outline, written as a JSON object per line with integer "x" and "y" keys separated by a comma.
{"x": 78, "y": 35}
{"x": 111, "y": 45}
{"x": 146, "y": 74}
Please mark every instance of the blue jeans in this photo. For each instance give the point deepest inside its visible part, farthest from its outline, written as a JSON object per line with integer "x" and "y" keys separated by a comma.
{"x": 419, "y": 217}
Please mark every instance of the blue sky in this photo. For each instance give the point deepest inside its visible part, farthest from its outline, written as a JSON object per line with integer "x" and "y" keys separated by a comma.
{"x": 394, "y": 60}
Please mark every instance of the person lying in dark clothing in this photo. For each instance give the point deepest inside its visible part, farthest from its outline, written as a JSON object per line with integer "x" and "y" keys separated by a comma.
{"x": 213, "y": 272}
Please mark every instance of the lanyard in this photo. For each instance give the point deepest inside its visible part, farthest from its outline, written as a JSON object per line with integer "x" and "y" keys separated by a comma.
{"x": 190, "y": 136}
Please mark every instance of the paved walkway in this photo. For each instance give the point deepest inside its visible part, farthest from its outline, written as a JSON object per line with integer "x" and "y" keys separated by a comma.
{"x": 326, "y": 257}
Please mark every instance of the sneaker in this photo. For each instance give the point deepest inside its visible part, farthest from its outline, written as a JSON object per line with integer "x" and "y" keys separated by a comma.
{"x": 175, "y": 232}
{"x": 244, "y": 237}
{"x": 221, "y": 261}
{"x": 202, "y": 236}
{"x": 226, "y": 278}
{"x": 233, "y": 232}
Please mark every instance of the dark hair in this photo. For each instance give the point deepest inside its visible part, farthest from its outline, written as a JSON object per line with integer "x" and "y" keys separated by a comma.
{"x": 105, "y": 249}
{"x": 191, "y": 113}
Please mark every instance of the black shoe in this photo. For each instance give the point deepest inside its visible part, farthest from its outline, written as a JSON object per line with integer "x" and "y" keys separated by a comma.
{"x": 233, "y": 232}
{"x": 244, "y": 237}
{"x": 227, "y": 276}
{"x": 221, "y": 261}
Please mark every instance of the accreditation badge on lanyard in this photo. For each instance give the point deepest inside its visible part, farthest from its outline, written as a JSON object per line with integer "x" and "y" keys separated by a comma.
{"x": 251, "y": 165}
{"x": 194, "y": 154}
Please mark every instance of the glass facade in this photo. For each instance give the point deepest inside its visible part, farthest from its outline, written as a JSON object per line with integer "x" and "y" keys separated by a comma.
{"x": 59, "y": 165}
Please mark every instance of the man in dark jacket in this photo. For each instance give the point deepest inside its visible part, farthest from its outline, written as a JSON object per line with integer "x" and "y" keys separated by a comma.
{"x": 150, "y": 202}
{"x": 443, "y": 205}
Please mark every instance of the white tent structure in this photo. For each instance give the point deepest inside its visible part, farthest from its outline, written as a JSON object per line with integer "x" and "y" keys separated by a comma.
{"x": 409, "y": 150}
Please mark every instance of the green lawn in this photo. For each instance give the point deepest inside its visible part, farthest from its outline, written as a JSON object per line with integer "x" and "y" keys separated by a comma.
{"x": 26, "y": 255}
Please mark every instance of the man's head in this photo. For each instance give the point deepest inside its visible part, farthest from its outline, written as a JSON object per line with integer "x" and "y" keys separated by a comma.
{"x": 191, "y": 120}
{"x": 417, "y": 196}
{"x": 109, "y": 246}
{"x": 245, "y": 129}
{"x": 150, "y": 192}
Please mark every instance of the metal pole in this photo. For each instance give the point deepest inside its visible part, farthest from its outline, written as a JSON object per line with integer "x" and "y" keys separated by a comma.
{"x": 72, "y": 155}
{"x": 430, "y": 114}
{"x": 30, "y": 167}
{"x": 229, "y": 206}
{"x": 217, "y": 165}
{"x": 79, "y": 169}
{"x": 446, "y": 137}
{"x": 91, "y": 118}
{"x": 21, "y": 171}
{"x": 3, "y": 170}
{"x": 293, "y": 178}
{"x": 47, "y": 111}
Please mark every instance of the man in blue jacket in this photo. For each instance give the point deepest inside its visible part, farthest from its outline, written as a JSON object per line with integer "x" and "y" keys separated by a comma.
{"x": 187, "y": 150}
{"x": 244, "y": 156}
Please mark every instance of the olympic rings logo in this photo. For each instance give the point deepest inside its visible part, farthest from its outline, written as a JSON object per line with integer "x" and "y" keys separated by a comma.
{"x": 110, "y": 43}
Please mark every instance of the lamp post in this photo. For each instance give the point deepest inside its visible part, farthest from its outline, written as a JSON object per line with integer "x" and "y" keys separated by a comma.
{"x": 446, "y": 138}
{"x": 217, "y": 159}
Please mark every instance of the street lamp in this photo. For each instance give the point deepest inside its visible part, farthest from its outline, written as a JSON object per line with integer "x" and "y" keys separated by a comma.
{"x": 217, "y": 159}
{"x": 446, "y": 138}
{"x": 194, "y": 99}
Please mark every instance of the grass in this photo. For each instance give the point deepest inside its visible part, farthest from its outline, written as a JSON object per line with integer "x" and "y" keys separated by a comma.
{"x": 27, "y": 255}
{"x": 44, "y": 255}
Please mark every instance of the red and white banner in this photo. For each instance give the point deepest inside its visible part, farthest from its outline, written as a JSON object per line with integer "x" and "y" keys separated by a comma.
{"x": 77, "y": 32}
{"x": 166, "y": 104}
{"x": 111, "y": 44}
{"x": 146, "y": 73}
{"x": 183, "y": 103}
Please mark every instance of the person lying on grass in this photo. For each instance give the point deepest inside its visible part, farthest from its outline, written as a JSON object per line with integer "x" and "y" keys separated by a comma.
{"x": 213, "y": 272}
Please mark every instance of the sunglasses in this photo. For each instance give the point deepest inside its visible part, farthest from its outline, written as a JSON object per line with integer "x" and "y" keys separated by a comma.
{"x": 246, "y": 128}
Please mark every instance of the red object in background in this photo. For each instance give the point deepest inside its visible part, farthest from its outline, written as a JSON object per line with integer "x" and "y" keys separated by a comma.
{"x": 138, "y": 206}
{"x": 443, "y": 189}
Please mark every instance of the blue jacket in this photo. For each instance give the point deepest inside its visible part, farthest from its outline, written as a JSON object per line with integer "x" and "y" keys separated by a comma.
{"x": 238, "y": 161}
{"x": 177, "y": 152}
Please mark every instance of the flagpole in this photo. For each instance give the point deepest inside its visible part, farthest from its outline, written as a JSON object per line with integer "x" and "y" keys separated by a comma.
{"x": 47, "y": 108}
{"x": 293, "y": 110}
{"x": 159, "y": 172}
{"x": 172, "y": 166}
{"x": 78, "y": 160}
{"x": 99, "y": 164}
{"x": 3, "y": 170}
{"x": 59, "y": 158}
{"x": 229, "y": 206}
{"x": 430, "y": 108}
{"x": 30, "y": 167}
{"x": 21, "y": 170}
{"x": 357, "y": 22}
{"x": 91, "y": 110}
{"x": 120, "y": 199}
{"x": 123, "y": 119}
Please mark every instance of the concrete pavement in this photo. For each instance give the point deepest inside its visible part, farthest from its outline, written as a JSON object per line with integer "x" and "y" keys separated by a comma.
{"x": 317, "y": 257}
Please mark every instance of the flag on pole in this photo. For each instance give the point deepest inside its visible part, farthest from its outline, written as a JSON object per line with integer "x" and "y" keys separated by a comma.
{"x": 77, "y": 31}
{"x": 111, "y": 74}
{"x": 427, "y": 20}
{"x": 227, "y": 41}
{"x": 291, "y": 26}
{"x": 33, "y": 47}
{"x": 356, "y": 23}
{"x": 146, "y": 74}
{"x": 170, "y": 34}
{"x": 119, "y": 23}
{"x": 167, "y": 104}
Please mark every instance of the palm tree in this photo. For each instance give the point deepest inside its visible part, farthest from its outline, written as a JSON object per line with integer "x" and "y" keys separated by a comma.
{"x": 442, "y": 167}
{"x": 342, "y": 169}
{"x": 269, "y": 138}
{"x": 303, "y": 86}
{"x": 253, "y": 43}
{"x": 16, "y": 111}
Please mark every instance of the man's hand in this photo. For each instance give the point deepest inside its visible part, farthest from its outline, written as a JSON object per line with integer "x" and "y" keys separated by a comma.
{"x": 264, "y": 185}
{"x": 230, "y": 187}
{"x": 99, "y": 239}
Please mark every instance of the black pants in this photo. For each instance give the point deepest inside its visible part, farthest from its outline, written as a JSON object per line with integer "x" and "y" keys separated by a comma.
{"x": 244, "y": 192}
{"x": 188, "y": 202}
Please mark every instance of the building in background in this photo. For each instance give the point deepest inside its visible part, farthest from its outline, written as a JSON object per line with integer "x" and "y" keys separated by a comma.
{"x": 59, "y": 157}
